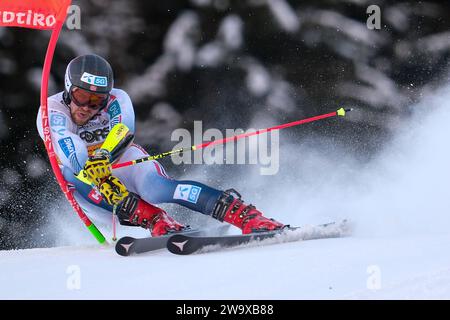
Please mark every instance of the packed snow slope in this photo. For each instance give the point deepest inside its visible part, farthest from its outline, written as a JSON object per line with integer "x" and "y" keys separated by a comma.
{"x": 363, "y": 267}
{"x": 398, "y": 203}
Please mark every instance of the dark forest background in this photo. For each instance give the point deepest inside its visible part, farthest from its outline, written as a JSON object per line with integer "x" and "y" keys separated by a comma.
{"x": 229, "y": 63}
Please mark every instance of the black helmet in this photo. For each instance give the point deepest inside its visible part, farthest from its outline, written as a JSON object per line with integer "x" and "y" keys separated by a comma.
{"x": 89, "y": 72}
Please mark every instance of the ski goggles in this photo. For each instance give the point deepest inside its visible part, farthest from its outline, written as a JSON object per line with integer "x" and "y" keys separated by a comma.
{"x": 92, "y": 100}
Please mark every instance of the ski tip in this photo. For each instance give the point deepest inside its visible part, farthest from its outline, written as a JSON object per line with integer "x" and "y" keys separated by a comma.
{"x": 124, "y": 246}
{"x": 179, "y": 244}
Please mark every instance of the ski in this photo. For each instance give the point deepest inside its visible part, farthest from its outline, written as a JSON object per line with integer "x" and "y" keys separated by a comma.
{"x": 185, "y": 244}
{"x": 129, "y": 245}
{"x": 126, "y": 246}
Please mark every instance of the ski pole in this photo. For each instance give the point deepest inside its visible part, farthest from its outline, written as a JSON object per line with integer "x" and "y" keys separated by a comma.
{"x": 340, "y": 112}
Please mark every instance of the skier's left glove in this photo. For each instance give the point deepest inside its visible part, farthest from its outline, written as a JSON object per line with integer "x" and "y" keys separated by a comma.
{"x": 113, "y": 190}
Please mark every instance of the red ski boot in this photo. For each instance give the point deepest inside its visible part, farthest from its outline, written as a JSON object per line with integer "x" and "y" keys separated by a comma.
{"x": 231, "y": 209}
{"x": 135, "y": 211}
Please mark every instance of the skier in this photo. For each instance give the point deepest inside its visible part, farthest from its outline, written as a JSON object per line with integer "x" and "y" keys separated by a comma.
{"x": 80, "y": 119}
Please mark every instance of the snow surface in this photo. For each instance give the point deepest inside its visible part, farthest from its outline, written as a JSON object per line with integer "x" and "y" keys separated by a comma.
{"x": 319, "y": 269}
{"x": 399, "y": 204}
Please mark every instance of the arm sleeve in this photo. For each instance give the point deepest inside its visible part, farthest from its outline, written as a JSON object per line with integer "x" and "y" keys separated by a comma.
{"x": 69, "y": 147}
{"x": 125, "y": 114}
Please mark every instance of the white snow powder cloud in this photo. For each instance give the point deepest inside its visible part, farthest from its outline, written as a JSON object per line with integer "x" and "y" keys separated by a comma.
{"x": 403, "y": 190}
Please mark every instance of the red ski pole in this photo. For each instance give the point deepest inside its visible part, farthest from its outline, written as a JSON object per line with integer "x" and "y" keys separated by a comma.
{"x": 340, "y": 112}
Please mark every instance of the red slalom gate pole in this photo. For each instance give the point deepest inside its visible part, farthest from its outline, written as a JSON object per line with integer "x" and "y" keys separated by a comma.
{"x": 52, "y": 13}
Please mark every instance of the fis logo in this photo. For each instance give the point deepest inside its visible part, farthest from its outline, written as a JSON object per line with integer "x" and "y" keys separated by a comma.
{"x": 187, "y": 192}
{"x": 94, "y": 80}
{"x": 57, "y": 120}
